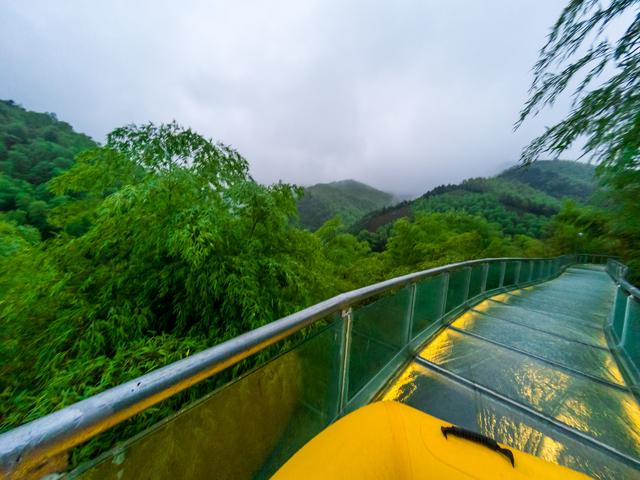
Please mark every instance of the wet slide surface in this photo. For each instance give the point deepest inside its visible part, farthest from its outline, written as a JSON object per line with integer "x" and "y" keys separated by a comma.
{"x": 532, "y": 369}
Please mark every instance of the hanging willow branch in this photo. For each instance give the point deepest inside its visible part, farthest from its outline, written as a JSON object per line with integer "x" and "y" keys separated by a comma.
{"x": 605, "y": 113}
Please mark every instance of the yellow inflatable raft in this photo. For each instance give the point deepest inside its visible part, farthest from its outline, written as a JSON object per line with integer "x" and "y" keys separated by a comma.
{"x": 389, "y": 440}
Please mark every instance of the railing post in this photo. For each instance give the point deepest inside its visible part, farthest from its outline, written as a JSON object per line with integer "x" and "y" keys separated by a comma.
{"x": 345, "y": 352}
{"x": 615, "y": 310}
{"x": 485, "y": 275}
{"x": 410, "y": 312}
{"x": 626, "y": 322}
{"x": 503, "y": 269}
{"x": 516, "y": 280}
{"x": 467, "y": 285}
{"x": 445, "y": 291}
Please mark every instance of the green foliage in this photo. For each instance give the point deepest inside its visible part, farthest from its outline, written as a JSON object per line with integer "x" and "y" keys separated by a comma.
{"x": 623, "y": 213}
{"x": 520, "y": 201}
{"x": 352, "y": 264}
{"x": 433, "y": 239}
{"x": 606, "y": 103}
{"x": 516, "y": 207}
{"x": 181, "y": 250}
{"x": 607, "y": 114}
{"x": 348, "y": 200}
{"x": 34, "y": 147}
{"x": 556, "y": 178}
{"x": 581, "y": 229}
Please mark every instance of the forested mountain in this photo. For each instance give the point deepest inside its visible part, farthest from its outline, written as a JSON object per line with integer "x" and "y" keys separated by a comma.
{"x": 34, "y": 147}
{"x": 558, "y": 178}
{"x": 519, "y": 200}
{"x": 347, "y": 199}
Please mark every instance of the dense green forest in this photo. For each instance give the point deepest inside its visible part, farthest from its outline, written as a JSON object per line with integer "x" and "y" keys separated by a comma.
{"x": 347, "y": 199}
{"x": 159, "y": 244}
{"x": 520, "y": 200}
{"x": 557, "y": 178}
{"x": 34, "y": 147}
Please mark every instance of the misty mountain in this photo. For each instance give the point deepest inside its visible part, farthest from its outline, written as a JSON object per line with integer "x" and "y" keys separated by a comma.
{"x": 347, "y": 199}
{"x": 558, "y": 178}
{"x": 520, "y": 199}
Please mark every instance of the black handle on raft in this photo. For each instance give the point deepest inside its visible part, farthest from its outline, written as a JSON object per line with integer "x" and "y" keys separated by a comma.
{"x": 479, "y": 438}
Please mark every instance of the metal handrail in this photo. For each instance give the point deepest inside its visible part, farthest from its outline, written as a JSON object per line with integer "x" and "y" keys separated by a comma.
{"x": 626, "y": 296}
{"x": 33, "y": 443}
{"x": 621, "y": 279}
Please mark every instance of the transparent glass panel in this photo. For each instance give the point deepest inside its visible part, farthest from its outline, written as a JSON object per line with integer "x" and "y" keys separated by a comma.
{"x": 525, "y": 272}
{"x": 543, "y": 269}
{"x": 246, "y": 429}
{"x": 631, "y": 332}
{"x": 493, "y": 277}
{"x": 533, "y": 264}
{"x": 537, "y": 270}
{"x": 457, "y": 291}
{"x": 380, "y": 331}
{"x": 547, "y": 269}
{"x": 475, "y": 281}
{"x": 617, "y": 314}
{"x": 428, "y": 303}
{"x": 510, "y": 272}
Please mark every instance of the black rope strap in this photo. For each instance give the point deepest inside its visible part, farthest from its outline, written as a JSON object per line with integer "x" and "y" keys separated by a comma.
{"x": 479, "y": 438}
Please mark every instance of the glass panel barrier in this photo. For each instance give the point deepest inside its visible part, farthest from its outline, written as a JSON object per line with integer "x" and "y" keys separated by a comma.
{"x": 618, "y": 311}
{"x": 457, "y": 292}
{"x": 494, "y": 275}
{"x": 475, "y": 280}
{"x": 428, "y": 304}
{"x": 266, "y": 415}
{"x": 270, "y": 412}
{"x": 540, "y": 266}
{"x": 547, "y": 269}
{"x": 630, "y": 337}
{"x": 380, "y": 332}
{"x": 526, "y": 272}
{"x": 510, "y": 272}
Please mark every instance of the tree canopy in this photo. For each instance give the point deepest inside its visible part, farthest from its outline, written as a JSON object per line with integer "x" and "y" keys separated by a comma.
{"x": 606, "y": 100}
{"x": 34, "y": 147}
{"x": 584, "y": 48}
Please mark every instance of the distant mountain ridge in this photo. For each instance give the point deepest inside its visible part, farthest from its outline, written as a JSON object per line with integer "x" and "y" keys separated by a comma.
{"x": 347, "y": 199}
{"x": 558, "y": 178}
{"x": 34, "y": 147}
{"x": 520, "y": 199}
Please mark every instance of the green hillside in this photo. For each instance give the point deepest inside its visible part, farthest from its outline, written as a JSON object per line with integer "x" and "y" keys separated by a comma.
{"x": 347, "y": 199}
{"x": 519, "y": 200}
{"x": 557, "y": 178}
{"x": 34, "y": 147}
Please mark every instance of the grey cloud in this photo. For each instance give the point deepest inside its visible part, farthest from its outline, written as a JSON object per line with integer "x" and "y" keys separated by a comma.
{"x": 402, "y": 95}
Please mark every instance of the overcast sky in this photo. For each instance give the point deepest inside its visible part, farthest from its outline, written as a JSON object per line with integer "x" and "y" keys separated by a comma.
{"x": 403, "y": 95}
